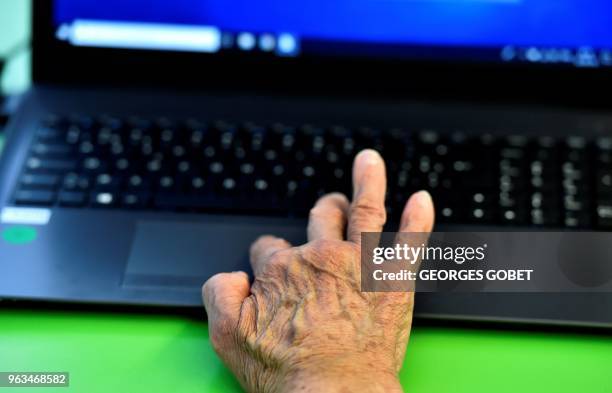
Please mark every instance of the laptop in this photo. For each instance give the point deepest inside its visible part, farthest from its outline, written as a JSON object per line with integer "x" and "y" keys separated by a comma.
{"x": 159, "y": 139}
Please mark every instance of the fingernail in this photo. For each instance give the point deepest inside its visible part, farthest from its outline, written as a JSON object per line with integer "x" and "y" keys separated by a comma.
{"x": 369, "y": 157}
{"x": 420, "y": 199}
{"x": 415, "y": 212}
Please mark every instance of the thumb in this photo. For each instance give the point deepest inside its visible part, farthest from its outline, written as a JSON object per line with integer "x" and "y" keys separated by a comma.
{"x": 223, "y": 295}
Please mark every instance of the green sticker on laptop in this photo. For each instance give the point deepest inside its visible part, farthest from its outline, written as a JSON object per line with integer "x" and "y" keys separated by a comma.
{"x": 19, "y": 235}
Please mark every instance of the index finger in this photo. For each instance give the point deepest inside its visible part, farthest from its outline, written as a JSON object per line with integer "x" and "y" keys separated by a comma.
{"x": 367, "y": 213}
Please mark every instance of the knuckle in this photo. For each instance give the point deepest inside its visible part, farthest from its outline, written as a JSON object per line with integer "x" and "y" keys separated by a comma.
{"x": 214, "y": 289}
{"x": 336, "y": 215}
{"x": 352, "y": 249}
{"x": 317, "y": 211}
{"x": 295, "y": 272}
{"x": 261, "y": 244}
{"x": 323, "y": 246}
{"x": 368, "y": 210}
{"x": 278, "y": 262}
{"x": 330, "y": 202}
{"x": 261, "y": 240}
{"x": 280, "y": 257}
{"x": 280, "y": 243}
{"x": 326, "y": 213}
{"x": 332, "y": 252}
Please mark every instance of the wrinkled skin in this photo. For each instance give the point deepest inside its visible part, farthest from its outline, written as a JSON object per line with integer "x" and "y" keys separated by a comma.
{"x": 304, "y": 324}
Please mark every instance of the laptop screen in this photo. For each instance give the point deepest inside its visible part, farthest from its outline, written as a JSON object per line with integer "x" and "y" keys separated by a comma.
{"x": 574, "y": 33}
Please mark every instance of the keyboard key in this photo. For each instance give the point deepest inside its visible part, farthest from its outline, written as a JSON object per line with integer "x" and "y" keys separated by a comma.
{"x": 249, "y": 168}
{"x": 49, "y": 165}
{"x": 482, "y": 215}
{"x": 34, "y": 197}
{"x": 39, "y": 181}
{"x": 72, "y": 198}
{"x": 604, "y": 182}
{"x": 73, "y": 181}
{"x": 135, "y": 200}
{"x": 48, "y": 134}
{"x": 49, "y": 150}
{"x": 446, "y": 214}
{"x": 103, "y": 199}
{"x": 550, "y": 214}
{"x": 93, "y": 164}
{"x": 513, "y": 216}
{"x": 575, "y": 219}
{"x": 106, "y": 182}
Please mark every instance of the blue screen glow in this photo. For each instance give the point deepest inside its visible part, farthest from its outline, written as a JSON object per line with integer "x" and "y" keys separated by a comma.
{"x": 469, "y": 23}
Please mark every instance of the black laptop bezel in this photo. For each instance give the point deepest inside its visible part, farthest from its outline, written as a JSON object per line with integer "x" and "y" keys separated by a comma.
{"x": 59, "y": 63}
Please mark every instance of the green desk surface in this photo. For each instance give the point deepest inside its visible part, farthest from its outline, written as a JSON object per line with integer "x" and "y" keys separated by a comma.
{"x": 106, "y": 352}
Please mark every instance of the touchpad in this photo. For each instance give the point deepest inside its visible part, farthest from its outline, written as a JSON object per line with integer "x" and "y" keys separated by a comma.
{"x": 185, "y": 254}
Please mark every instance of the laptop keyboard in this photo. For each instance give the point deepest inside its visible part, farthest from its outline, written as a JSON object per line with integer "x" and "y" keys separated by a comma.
{"x": 193, "y": 166}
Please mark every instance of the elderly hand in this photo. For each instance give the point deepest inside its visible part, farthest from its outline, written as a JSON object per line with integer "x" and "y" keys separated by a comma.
{"x": 304, "y": 325}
